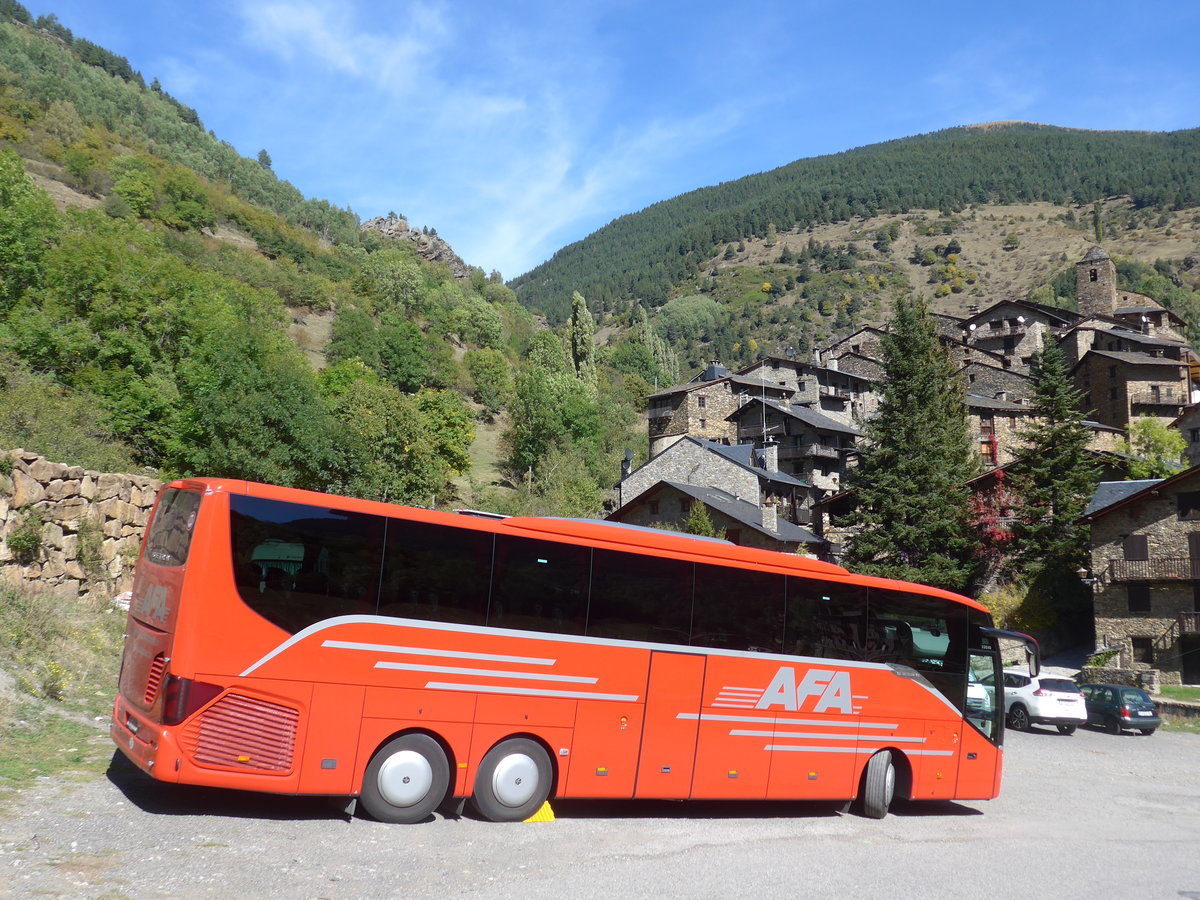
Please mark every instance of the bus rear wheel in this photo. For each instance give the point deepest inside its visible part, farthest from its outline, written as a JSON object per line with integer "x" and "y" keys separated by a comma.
{"x": 879, "y": 785}
{"x": 513, "y": 781}
{"x": 406, "y": 779}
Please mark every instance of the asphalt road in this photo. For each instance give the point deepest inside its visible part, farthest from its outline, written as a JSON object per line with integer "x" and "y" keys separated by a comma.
{"x": 1089, "y": 816}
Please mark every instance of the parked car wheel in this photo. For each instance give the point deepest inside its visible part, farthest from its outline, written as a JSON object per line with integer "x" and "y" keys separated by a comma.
{"x": 1112, "y": 726}
{"x": 1018, "y": 718}
{"x": 1066, "y": 729}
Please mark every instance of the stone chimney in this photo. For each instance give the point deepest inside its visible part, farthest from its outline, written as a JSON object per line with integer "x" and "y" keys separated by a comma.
{"x": 770, "y": 452}
{"x": 770, "y": 516}
{"x": 1001, "y": 395}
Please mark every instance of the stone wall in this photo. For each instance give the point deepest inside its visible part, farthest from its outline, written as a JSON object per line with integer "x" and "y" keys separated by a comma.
{"x": 91, "y": 525}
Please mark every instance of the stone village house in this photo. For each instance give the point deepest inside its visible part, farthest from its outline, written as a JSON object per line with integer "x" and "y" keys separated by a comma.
{"x": 1146, "y": 566}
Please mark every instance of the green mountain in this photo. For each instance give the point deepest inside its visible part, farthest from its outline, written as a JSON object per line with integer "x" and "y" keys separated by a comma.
{"x": 646, "y": 256}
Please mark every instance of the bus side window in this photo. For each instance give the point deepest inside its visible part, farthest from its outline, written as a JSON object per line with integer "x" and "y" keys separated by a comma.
{"x": 312, "y": 562}
{"x": 738, "y": 609}
{"x": 436, "y": 573}
{"x": 539, "y": 585}
{"x": 640, "y": 598}
{"x": 825, "y": 619}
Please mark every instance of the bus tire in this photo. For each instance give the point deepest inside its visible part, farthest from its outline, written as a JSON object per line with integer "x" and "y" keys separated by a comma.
{"x": 513, "y": 781}
{"x": 406, "y": 780}
{"x": 879, "y": 785}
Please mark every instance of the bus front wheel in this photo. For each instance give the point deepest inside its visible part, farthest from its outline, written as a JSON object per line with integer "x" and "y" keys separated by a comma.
{"x": 406, "y": 779}
{"x": 879, "y": 785}
{"x": 513, "y": 781}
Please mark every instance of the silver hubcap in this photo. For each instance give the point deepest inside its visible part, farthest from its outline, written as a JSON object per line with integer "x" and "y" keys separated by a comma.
{"x": 515, "y": 780}
{"x": 405, "y": 778}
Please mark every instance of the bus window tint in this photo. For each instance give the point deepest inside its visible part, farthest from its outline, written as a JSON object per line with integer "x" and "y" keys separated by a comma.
{"x": 640, "y": 598}
{"x": 738, "y": 609}
{"x": 296, "y": 564}
{"x": 171, "y": 533}
{"x": 825, "y": 619}
{"x": 539, "y": 585}
{"x": 436, "y": 572}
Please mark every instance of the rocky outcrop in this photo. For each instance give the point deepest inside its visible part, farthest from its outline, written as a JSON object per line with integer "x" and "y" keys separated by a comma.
{"x": 429, "y": 246}
{"x": 69, "y": 529}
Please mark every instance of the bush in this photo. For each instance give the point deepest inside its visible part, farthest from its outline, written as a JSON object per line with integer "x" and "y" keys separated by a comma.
{"x": 25, "y": 541}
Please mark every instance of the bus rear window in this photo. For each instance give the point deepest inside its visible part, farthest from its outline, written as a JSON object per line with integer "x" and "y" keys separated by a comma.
{"x": 170, "y": 533}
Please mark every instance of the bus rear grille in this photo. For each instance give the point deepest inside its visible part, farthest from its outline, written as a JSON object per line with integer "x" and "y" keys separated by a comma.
{"x": 158, "y": 665}
{"x": 244, "y": 733}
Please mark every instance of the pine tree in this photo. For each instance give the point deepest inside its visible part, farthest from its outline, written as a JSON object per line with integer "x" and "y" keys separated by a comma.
{"x": 1057, "y": 476}
{"x": 913, "y": 506}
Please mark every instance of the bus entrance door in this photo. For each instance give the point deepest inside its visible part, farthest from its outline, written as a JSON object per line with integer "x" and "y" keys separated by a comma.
{"x": 669, "y": 731}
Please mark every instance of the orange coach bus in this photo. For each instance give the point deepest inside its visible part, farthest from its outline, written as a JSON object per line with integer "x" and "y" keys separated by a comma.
{"x": 300, "y": 643}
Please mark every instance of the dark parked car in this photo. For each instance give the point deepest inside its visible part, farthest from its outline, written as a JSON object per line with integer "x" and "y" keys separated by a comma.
{"x": 1117, "y": 706}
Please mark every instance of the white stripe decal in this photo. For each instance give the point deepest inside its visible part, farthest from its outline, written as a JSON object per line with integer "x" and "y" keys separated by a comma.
{"x": 490, "y": 673}
{"x": 771, "y": 720}
{"x": 823, "y": 737}
{"x": 448, "y": 654}
{"x": 527, "y": 692}
{"x": 797, "y": 747}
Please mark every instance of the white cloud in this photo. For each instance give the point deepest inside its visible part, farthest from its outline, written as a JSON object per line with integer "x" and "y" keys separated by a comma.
{"x": 387, "y": 52}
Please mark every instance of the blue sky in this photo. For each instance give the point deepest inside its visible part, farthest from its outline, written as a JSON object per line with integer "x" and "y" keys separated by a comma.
{"x": 515, "y": 128}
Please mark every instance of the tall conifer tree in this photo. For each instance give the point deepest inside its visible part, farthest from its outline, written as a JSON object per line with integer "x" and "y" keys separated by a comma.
{"x": 913, "y": 506}
{"x": 1057, "y": 476}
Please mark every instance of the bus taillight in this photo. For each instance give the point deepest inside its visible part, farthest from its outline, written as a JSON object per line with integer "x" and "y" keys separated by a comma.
{"x": 184, "y": 697}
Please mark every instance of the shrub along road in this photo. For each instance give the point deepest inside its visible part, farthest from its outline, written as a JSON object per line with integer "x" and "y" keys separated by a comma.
{"x": 1090, "y": 815}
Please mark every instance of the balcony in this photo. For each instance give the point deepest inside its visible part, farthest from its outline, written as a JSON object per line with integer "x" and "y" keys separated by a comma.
{"x": 836, "y": 393}
{"x": 1170, "y": 568}
{"x": 1189, "y": 623}
{"x": 1152, "y": 398}
{"x": 819, "y": 450}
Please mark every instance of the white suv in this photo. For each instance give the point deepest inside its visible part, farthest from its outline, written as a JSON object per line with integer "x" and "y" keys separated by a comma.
{"x": 1044, "y": 700}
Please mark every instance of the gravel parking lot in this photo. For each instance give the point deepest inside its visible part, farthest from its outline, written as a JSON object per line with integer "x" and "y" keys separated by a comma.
{"x": 1091, "y": 816}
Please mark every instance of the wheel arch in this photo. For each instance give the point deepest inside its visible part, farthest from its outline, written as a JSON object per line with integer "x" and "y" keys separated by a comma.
{"x": 900, "y": 763}
{"x": 447, "y": 748}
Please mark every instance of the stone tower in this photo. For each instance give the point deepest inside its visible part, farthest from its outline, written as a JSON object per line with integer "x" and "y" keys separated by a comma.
{"x": 1096, "y": 284}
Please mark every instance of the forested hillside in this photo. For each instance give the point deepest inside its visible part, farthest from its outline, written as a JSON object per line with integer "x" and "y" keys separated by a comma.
{"x": 149, "y": 275}
{"x": 645, "y": 255}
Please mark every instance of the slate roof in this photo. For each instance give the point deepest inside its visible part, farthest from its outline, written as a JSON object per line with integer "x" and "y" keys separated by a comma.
{"x": 743, "y": 511}
{"x": 1135, "y": 359}
{"x": 743, "y": 455}
{"x": 975, "y": 401}
{"x": 809, "y": 417}
{"x": 1109, "y": 493}
{"x": 741, "y": 380}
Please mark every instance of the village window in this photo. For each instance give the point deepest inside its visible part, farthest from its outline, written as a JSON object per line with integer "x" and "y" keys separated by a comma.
{"x": 1143, "y": 649}
{"x": 1093, "y": 275}
{"x": 700, "y": 401}
{"x": 1136, "y": 546}
{"x": 987, "y": 449}
{"x": 703, "y": 423}
{"x": 1112, "y": 371}
{"x": 1112, "y": 393}
{"x": 1139, "y": 597}
{"x": 654, "y": 507}
{"x": 1189, "y": 506}
{"x": 1194, "y": 435}
{"x": 685, "y": 506}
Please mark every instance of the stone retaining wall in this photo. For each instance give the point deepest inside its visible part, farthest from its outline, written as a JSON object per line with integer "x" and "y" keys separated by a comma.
{"x": 91, "y": 525}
